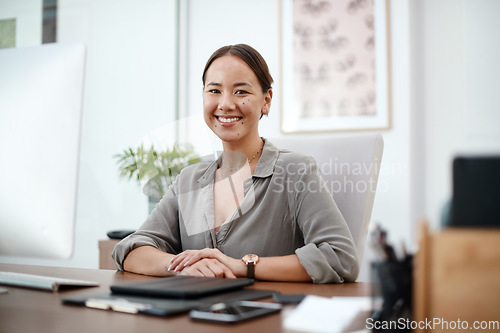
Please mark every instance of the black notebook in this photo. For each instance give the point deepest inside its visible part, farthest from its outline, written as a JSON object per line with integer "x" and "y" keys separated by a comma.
{"x": 171, "y": 295}
{"x": 181, "y": 287}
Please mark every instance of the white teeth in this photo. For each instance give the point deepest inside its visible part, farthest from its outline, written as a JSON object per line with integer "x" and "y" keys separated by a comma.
{"x": 228, "y": 120}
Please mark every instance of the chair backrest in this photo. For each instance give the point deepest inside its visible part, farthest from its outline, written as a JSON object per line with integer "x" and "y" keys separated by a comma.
{"x": 350, "y": 167}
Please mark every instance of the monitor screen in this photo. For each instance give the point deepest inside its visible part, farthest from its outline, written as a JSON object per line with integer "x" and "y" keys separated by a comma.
{"x": 41, "y": 91}
{"x": 476, "y": 180}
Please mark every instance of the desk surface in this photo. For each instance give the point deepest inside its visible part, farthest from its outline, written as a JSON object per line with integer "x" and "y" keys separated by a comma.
{"x": 26, "y": 310}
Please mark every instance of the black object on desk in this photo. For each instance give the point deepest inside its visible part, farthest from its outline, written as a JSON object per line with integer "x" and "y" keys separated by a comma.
{"x": 393, "y": 276}
{"x": 233, "y": 312}
{"x": 170, "y": 295}
{"x": 476, "y": 195}
{"x": 181, "y": 286}
{"x": 394, "y": 279}
{"x": 288, "y": 298}
{"x": 161, "y": 306}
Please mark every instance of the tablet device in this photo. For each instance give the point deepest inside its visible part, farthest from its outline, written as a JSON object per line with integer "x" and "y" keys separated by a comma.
{"x": 181, "y": 287}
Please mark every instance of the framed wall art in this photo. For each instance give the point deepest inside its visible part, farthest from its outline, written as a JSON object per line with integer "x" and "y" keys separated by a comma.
{"x": 335, "y": 65}
{"x": 7, "y": 33}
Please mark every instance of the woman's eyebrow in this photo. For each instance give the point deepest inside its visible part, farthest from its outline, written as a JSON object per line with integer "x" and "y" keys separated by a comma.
{"x": 238, "y": 84}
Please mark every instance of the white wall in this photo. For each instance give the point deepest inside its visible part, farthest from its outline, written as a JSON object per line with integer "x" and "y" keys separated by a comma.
{"x": 444, "y": 74}
{"x": 28, "y": 20}
{"x": 129, "y": 91}
{"x": 456, "y": 75}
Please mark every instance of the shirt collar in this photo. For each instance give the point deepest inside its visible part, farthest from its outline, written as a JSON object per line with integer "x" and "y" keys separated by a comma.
{"x": 209, "y": 174}
{"x": 264, "y": 168}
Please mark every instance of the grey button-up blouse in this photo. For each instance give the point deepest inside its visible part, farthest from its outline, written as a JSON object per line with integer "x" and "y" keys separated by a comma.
{"x": 286, "y": 209}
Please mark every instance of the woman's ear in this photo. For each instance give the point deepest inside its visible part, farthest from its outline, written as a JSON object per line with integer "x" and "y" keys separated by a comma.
{"x": 267, "y": 102}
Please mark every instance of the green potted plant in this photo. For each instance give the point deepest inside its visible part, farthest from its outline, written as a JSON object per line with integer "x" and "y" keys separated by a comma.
{"x": 155, "y": 169}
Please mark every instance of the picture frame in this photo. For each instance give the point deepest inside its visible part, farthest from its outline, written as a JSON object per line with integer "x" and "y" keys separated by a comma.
{"x": 7, "y": 33}
{"x": 335, "y": 65}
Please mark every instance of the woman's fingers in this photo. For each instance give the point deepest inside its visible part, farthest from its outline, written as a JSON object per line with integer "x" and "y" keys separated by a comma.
{"x": 191, "y": 271}
{"x": 190, "y": 257}
{"x": 219, "y": 269}
{"x": 174, "y": 262}
{"x": 177, "y": 262}
{"x": 209, "y": 268}
{"x": 207, "y": 271}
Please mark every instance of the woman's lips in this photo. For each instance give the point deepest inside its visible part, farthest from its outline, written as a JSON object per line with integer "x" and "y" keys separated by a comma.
{"x": 226, "y": 120}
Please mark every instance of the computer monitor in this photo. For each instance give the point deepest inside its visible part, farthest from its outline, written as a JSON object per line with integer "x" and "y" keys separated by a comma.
{"x": 476, "y": 196}
{"x": 41, "y": 91}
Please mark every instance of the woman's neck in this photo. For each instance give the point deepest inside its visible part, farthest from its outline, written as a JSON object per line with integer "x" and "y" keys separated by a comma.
{"x": 249, "y": 148}
{"x": 236, "y": 156}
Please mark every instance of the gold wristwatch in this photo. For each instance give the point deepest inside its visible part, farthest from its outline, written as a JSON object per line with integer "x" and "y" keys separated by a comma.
{"x": 250, "y": 260}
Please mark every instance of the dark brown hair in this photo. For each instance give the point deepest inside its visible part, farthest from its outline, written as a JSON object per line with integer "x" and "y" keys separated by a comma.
{"x": 250, "y": 56}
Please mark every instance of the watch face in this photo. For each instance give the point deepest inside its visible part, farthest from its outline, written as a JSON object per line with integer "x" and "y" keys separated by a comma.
{"x": 249, "y": 258}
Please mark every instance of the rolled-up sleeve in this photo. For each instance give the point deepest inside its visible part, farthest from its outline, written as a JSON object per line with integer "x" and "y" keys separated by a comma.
{"x": 329, "y": 254}
{"x": 160, "y": 230}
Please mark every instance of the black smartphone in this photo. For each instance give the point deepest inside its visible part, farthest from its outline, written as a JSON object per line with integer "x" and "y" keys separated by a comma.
{"x": 233, "y": 312}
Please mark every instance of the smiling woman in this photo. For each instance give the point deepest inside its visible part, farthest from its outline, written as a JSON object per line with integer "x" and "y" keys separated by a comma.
{"x": 229, "y": 217}
{"x": 233, "y": 102}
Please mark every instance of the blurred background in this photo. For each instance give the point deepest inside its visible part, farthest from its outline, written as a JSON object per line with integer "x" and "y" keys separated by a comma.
{"x": 143, "y": 72}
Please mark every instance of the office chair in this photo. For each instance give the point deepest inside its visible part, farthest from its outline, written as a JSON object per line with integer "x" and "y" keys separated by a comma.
{"x": 350, "y": 167}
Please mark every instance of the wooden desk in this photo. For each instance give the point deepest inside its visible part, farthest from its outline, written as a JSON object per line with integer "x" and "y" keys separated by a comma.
{"x": 26, "y": 310}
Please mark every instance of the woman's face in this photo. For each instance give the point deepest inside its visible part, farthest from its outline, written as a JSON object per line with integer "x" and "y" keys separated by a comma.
{"x": 233, "y": 100}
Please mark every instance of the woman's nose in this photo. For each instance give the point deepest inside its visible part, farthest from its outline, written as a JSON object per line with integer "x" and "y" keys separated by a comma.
{"x": 226, "y": 102}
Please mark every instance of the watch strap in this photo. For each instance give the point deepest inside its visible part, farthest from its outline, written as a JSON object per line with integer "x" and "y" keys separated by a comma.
{"x": 251, "y": 270}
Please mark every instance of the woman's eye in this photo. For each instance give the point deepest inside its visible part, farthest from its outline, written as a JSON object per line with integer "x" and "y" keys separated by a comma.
{"x": 241, "y": 92}
{"x": 213, "y": 91}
